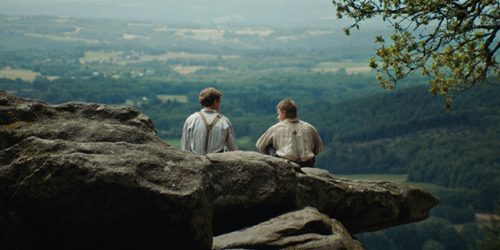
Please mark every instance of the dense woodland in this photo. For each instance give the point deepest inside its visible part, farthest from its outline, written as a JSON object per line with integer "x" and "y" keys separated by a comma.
{"x": 160, "y": 69}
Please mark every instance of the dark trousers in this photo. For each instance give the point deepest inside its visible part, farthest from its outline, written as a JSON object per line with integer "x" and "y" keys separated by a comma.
{"x": 302, "y": 164}
{"x": 308, "y": 164}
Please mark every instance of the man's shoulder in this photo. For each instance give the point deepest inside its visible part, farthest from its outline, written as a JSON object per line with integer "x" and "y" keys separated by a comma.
{"x": 194, "y": 115}
{"x": 306, "y": 124}
{"x": 224, "y": 119}
{"x": 279, "y": 125}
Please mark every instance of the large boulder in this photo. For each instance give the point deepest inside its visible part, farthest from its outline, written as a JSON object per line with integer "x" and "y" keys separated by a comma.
{"x": 250, "y": 187}
{"x": 363, "y": 206}
{"x": 299, "y": 230}
{"x": 87, "y": 176}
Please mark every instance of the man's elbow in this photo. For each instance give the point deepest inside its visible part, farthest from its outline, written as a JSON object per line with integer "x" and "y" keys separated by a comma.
{"x": 260, "y": 148}
{"x": 317, "y": 150}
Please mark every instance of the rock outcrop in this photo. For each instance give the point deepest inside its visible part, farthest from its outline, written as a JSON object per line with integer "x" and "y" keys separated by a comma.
{"x": 80, "y": 176}
{"x": 299, "y": 230}
{"x": 85, "y": 176}
{"x": 250, "y": 187}
{"x": 363, "y": 206}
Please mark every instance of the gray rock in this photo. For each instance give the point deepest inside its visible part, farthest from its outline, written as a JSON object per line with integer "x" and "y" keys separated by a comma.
{"x": 363, "y": 206}
{"x": 87, "y": 176}
{"x": 250, "y": 187}
{"x": 303, "y": 229}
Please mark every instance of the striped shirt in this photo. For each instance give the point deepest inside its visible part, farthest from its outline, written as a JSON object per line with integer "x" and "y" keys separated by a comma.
{"x": 292, "y": 139}
{"x": 221, "y": 136}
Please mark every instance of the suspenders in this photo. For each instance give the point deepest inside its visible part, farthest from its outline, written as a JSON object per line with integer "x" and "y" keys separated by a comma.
{"x": 208, "y": 127}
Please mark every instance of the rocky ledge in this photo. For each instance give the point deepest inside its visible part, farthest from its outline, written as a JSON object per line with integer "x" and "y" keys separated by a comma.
{"x": 90, "y": 176}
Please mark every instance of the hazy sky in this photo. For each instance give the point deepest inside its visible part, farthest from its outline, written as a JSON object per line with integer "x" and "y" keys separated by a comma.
{"x": 252, "y": 12}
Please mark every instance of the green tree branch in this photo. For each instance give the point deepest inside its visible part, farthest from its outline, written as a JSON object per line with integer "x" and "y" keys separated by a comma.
{"x": 453, "y": 42}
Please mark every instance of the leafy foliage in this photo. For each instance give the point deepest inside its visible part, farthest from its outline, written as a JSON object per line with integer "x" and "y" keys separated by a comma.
{"x": 454, "y": 149}
{"x": 452, "y": 42}
{"x": 433, "y": 233}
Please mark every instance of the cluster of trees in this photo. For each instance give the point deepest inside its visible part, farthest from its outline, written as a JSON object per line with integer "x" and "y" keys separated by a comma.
{"x": 433, "y": 233}
{"x": 456, "y": 148}
{"x": 436, "y": 233}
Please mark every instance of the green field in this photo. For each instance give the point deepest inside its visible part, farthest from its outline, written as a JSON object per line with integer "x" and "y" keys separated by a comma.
{"x": 118, "y": 57}
{"x": 25, "y": 75}
{"x": 348, "y": 66}
{"x": 174, "y": 142}
{"x": 96, "y": 56}
{"x": 64, "y": 38}
{"x": 178, "y": 98}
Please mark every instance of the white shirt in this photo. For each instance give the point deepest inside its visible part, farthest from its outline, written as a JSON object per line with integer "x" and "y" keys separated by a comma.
{"x": 292, "y": 139}
{"x": 221, "y": 136}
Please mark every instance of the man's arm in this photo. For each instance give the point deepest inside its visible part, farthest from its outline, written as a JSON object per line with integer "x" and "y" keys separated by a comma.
{"x": 264, "y": 141}
{"x": 318, "y": 144}
{"x": 185, "y": 141}
{"x": 231, "y": 140}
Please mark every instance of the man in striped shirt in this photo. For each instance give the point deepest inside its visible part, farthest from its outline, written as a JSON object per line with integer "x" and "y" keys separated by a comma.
{"x": 291, "y": 138}
{"x": 208, "y": 131}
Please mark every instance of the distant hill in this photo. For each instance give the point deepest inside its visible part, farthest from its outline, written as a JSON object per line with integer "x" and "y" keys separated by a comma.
{"x": 409, "y": 132}
{"x": 291, "y": 13}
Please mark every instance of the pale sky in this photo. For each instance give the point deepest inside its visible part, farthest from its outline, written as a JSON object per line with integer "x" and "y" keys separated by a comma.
{"x": 258, "y": 12}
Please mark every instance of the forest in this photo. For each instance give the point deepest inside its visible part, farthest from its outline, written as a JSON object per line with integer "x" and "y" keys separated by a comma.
{"x": 159, "y": 69}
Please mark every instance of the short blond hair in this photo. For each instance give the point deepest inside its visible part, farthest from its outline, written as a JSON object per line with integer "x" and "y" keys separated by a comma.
{"x": 288, "y": 106}
{"x": 208, "y": 96}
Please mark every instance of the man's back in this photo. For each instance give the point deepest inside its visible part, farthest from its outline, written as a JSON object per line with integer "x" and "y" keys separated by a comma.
{"x": 220, "y": 136}
{"x": 293, "y": 139}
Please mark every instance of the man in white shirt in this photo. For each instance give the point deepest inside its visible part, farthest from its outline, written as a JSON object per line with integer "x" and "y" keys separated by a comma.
{"x": 291, "y": 138}
{"x": 208, "y": 131}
